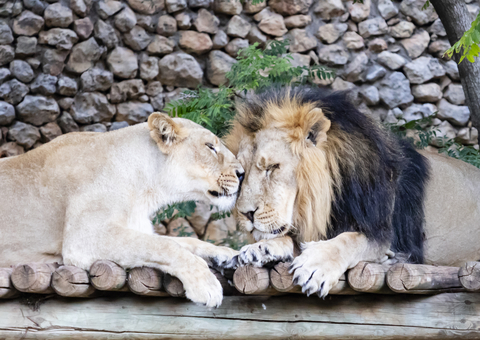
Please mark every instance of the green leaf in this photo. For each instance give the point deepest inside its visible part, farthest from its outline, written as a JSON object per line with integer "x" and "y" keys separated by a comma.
{"x": 468, "y": 42}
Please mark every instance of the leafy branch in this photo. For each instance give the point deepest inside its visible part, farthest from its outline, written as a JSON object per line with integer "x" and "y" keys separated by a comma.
{"x": 469, "y": 42}
{"x": 255, "y": 69}
{"x": 425, "y": 133}
{"x": 173, "y": 211}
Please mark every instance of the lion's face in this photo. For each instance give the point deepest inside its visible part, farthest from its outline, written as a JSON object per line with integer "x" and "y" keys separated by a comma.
{"x": 288, "y": 187}
{"x": 266, "y": 203}
{"x": 209, "y": 171}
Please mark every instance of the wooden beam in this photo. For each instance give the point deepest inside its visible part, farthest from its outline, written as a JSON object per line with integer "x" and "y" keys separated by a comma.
{"x": 423, "y": 279}
{"x": 253, "y": 280}
{"x": 173, "y": 286}
{"x": 72, "y": 281}
{"x": 280, "y": 278}
{"x": 368, "y": 277}
{"x": 146, "y": 281}
{"x": 7, "y": 290}
{"x": 469, "y": 276}
{"x": 282, "y": 281}
{"x": 441, "y": 316}
{"x": 227, "y": 285}
{"x": 34, "y": 277}
{"x": 107, "y": 275}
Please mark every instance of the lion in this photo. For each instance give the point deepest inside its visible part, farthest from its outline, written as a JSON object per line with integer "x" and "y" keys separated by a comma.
{"x": 89, "y": 196}
{"x": 322, "y": 176}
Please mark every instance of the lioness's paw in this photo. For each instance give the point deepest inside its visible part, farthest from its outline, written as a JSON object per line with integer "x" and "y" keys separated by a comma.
{"x": 318, "y": 269}
{"x": 201, "y": 286}
{"x": 223, "y": 258}
{"x": 265, "y": 251}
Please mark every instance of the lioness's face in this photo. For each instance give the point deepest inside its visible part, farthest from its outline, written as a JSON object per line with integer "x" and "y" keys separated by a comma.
{"x": 266, "y": 203}
{"x": 213, "y": 170}
{"x": 206, "y": 169}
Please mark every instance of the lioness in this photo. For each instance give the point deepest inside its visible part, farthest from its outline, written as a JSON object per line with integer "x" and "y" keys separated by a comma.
{"x": 89, "y": 196}
{"x": 326, "y": 177}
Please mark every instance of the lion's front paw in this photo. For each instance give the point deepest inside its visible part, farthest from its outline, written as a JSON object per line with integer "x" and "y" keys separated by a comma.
{"x": 265, "y": 251}
{"x": 318, "y": 269}
{"x": 201, "y": 286}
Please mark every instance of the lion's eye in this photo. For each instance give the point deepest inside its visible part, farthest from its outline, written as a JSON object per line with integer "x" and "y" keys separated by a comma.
{"x": 211, "y": 147}
{"x": 311, "y": 137}
{"x": 271, "y": 168}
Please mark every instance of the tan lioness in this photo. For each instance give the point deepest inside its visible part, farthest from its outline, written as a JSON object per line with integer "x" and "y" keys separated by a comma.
{"x": 90, "y": 196}
{"x": 324, "y": 176}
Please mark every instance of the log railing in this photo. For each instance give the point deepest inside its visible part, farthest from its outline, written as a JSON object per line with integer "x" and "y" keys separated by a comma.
{"x": 70, "y": 281}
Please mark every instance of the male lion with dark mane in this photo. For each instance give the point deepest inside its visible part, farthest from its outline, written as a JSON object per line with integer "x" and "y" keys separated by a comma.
{"x": 324, "y": 176}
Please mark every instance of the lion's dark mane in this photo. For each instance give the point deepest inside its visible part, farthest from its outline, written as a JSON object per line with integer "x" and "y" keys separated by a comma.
{"x": 382, "y": 187}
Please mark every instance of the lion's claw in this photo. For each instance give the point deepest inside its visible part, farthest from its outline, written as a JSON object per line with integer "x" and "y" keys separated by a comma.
{"x": 315, "y": 271}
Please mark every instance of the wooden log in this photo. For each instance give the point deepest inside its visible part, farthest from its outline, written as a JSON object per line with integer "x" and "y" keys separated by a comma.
{"x": 342, "y": 287}
{"x": 368, "y": 277}
{"x": 228, "y": 288}
{"x": 7, "y": 291}
{"x": 173, "y": 286}
{"x": 107, "y": 275}
{"x": 423, "y": 279}
{"x": 72, "y": 281}
{"x": 34, "y": 277}
{"x": 253, "y": 280}
{"x": 282, "y": 281}
{"x": 146, "y": 281}
{"x": 469, "y": 276}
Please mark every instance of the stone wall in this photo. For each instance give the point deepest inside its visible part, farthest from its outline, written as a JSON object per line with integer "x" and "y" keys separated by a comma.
{"x": 92, "y": 65}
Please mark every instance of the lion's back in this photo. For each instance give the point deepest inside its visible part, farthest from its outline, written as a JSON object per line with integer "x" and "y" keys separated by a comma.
{"x": 452, "y": 211}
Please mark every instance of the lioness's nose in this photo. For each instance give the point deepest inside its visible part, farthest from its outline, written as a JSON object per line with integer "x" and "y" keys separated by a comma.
{"x": 249, "y": 215}
{"x": 240, "y": 176}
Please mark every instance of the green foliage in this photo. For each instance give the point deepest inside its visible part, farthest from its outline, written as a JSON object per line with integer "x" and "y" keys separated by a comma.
{"x": 220, "y": 215}
{"x": 425, "y": 133}
{"x": 180, "y": 230}
{"x": 235, "y": 239}
{"x": 422, "y": 130}
{"x": 469, "y": 42}
{"x": 173, "y": 211}
{"x": 464, "y": 153}
{"x": 210, "y": 108}
{"x": 255, "y": 69}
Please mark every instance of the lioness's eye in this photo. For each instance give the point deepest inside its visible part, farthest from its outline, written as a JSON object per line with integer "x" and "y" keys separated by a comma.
{"x": 211, "y": 147}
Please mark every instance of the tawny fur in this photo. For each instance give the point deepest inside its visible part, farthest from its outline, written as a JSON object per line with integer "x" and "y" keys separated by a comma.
{"x": 89, "y": 196}
{"x": 345, "y": 190}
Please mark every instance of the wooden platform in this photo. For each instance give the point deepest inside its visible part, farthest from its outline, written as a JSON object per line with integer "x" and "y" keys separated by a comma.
{"x": 366, "y": 316}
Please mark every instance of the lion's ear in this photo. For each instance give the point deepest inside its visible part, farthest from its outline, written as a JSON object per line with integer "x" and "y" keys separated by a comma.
{"x": 318, "y": 132}
{"x": 165, "y": 131}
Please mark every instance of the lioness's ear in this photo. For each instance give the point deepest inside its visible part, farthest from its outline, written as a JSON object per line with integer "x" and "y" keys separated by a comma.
{"x": 165, "y": 131}
{"x": 318, "y": 132}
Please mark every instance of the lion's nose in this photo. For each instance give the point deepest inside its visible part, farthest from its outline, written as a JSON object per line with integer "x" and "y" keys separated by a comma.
{"x": 241, "y": 176}
{"x": 249, "y": 215}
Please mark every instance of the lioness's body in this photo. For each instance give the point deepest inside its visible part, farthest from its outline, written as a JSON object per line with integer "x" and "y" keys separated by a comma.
{"x": 62, "y": 178}
{"x": 452, "y": 212}
{"x": 90, "y": 196}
